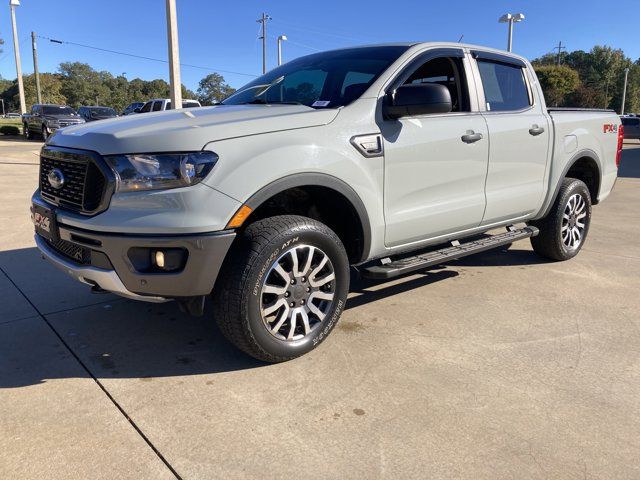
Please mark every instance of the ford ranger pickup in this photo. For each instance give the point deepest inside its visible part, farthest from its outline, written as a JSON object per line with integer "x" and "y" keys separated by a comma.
{"x": 387, "y": 159}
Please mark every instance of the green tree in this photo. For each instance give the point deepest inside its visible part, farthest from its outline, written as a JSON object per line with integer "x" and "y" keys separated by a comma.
{"x": 557, "y": 82}
{"x": 50, "y": 88}
{"x": 213, "y": 89}
{"x": 82, "y": 85}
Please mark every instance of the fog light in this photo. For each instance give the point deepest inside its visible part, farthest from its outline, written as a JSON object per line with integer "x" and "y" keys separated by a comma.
{"x": 159, "y": 257}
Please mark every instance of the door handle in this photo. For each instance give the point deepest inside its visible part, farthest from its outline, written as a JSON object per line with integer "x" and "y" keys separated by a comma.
{"x": 536, "y": 130}
{"x": 471, "y": 137}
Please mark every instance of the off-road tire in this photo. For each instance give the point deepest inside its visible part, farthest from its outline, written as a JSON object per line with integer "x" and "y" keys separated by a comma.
{"x": 237, "y": 294}
{"x": 549, "y": 242}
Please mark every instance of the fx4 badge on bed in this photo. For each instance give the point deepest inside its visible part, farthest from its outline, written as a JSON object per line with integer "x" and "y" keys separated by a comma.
{"x": 610, "y": 128}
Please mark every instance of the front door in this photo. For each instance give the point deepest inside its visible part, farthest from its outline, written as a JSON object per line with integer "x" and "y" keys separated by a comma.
{"x": 435, "y": 165}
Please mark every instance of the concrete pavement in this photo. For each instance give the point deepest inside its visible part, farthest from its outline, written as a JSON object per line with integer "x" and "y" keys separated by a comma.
{"x": 501, "y": 365}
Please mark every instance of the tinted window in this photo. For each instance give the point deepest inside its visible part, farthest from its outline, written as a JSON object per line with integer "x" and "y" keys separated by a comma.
{"x": 157, "y": 106}
{"x": 631, "y": 122}
{"x": 504, "y": 86}
{"x": 332, "y": 79}
{"x": 185, "y": 104}
{"x": 57, "y": 110}
{"x": 146, "y": 107}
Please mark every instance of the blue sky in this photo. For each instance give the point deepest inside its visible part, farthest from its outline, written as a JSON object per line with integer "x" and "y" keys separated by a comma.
{"x": 222, "y": 36}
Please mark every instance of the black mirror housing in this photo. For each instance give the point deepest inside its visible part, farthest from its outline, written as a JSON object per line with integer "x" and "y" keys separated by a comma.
{"x": 418, "y": 99}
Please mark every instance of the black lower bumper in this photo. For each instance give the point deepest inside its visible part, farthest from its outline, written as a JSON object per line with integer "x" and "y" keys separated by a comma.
{"x": 83, "y": 252}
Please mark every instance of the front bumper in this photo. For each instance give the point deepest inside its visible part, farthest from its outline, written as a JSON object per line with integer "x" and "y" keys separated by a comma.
{"x": 103, "y": 260}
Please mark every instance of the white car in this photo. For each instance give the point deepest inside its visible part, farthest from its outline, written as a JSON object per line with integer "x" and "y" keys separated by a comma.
{"x": 160, "y": 104}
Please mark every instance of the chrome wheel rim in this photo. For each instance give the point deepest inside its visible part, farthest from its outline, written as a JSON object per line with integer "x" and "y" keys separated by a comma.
{"x": 574, "y": 221}
{"x": 297, "y": 293}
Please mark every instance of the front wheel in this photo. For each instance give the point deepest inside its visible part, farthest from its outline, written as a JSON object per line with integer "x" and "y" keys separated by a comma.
{"x": 26, "y": 132}
{"x": 564, "y": 230}
{"x": 45, "y": 133}
{"x": 282, "y": 288}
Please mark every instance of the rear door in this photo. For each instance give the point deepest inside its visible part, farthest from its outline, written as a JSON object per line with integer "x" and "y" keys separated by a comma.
{"x": 519, "y": 135}
{"x": 435, "y": 165}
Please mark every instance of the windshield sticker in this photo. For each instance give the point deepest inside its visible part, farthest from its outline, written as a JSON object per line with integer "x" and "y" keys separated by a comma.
{"x": 321, "y": 103}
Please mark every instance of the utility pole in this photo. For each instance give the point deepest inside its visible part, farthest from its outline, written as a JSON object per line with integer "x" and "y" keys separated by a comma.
{"x": 35, "y": 66}
{"x": 559, "y": 48}
{"x": 16, "y": 48}
{"x": 3, "y": 112}
{"x": 174, "y": 55}
{"x": 263, "y": 21}
{"x": 624, "y": 90}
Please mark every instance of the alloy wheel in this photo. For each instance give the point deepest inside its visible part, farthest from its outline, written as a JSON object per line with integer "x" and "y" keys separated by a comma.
{"x": 574, "y": 221}
{"x": 297, "y": 293}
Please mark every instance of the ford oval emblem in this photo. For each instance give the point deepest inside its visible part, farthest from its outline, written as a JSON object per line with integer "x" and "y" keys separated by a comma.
{"x": 56, "y": 178}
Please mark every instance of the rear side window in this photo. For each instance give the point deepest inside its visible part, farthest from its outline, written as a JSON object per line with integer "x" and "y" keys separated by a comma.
{"x": 504, "y": 86}
{"x": 157, "y": 106}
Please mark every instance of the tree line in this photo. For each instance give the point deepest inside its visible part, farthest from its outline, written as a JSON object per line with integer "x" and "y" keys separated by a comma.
{"x": 77, "y": 84}
{"x": 593, "y": 79}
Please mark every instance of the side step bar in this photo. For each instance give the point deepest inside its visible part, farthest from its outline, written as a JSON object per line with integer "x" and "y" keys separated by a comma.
{"x": 457, "y": 250}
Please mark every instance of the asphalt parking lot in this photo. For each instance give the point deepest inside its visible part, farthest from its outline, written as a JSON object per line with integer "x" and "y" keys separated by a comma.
{"x": 502, "y": 365}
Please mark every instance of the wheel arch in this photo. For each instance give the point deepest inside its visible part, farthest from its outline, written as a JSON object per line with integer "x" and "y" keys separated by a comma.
{"x": 583, "y": 165}
{"x": 319, "y": 183}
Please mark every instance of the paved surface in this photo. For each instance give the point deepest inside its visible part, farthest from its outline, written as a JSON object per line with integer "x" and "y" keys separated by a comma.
{"x": 498, "y": 366}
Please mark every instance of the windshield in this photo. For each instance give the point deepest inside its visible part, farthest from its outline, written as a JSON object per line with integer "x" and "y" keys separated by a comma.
{"x": 322, "y": 80}
{"x": 57, "y": 110}
{"x": 103, "y": 112}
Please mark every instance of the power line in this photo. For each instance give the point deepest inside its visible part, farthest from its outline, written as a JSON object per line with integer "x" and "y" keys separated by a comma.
{"x": 53, "y": 40}
{"x": 321, "y": 32}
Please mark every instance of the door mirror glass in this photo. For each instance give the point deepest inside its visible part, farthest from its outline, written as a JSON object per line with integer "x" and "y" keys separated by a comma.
{"x": 418, "y": 99}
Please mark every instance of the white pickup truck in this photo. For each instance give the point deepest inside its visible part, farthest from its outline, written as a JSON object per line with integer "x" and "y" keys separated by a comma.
{"x": 389, "y": 158}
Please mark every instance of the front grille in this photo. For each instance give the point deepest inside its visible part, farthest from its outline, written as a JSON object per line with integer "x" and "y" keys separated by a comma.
{"x": 73, "y": 252}
{"x": 67, "y": 123}
{"x": 85, "y": 184}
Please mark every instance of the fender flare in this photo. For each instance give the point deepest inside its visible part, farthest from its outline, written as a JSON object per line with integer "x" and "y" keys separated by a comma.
{"x": 319, "y": 180}
{"x": 577, "y": 156}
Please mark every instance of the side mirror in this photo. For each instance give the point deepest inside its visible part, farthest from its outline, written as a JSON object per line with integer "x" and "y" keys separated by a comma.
{"x": 137, "y": 110}
{"x": 417, "y": 99}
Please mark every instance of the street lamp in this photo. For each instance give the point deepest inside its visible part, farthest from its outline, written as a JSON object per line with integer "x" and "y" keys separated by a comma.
{"x": 16, "y": 49}
{"x": 511, "y": 19}
{"x": 281, "y": 38}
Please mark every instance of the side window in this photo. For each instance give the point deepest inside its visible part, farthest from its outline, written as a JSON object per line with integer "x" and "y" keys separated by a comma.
{"x": 504, "y": 86}
{"x": 448, "y": 72}
{"x": 146, "y": 108}
{"x": 631, "y": 122}
{"x": 157, "y": 106}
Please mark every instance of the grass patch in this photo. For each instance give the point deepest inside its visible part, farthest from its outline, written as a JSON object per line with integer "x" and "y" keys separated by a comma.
{"x": 12, "y": 122}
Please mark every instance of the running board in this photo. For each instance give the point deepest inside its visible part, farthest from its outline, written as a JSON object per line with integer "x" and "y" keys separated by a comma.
{"x": 457, "y": 250}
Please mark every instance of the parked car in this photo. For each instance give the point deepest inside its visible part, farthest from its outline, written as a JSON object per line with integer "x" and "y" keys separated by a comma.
{"x": 91, "y": 114}
{"x": 160, "y": 104}
{"x": 390, "y": 158}
{"x": 45, "y": 119}
{"x": 631, "y": 128}
{"x": 132, "y": 107}
{"x": 12, "y": 115}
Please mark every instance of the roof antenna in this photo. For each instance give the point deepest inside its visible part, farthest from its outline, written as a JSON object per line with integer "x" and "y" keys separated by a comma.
{"x": 461, "y": 37}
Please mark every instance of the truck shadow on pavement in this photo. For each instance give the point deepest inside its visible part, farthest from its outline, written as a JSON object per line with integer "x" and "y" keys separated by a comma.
{"x": 64, "y": 331}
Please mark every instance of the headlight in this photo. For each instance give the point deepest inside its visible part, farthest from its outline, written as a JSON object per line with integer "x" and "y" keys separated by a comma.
{"x": 160, "y": 171}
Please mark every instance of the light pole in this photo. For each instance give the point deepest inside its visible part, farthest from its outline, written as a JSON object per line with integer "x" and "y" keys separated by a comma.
{"x": 511, "y": 19}
{"x": 281, "y": 38}
{"x": 624, "y": 90}
{"x": 174, "y": 55}
{"x": 16, "y": 48}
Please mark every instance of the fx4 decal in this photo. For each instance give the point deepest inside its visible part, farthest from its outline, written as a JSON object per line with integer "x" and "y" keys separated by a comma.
{"x": 610, "y": 128}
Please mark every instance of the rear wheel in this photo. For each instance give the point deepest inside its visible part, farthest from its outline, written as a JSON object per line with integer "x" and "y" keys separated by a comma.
{"x": 564, "y": 230}
{"x": 282, "y": 288}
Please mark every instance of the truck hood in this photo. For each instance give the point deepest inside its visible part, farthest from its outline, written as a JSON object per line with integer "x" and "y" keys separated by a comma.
{"x": 187, "y": 129}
